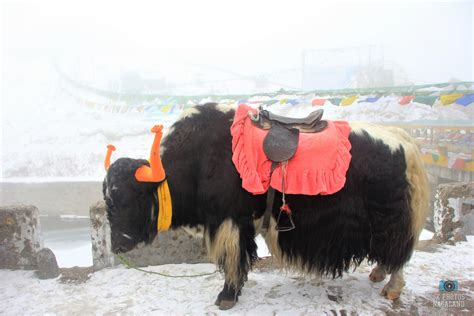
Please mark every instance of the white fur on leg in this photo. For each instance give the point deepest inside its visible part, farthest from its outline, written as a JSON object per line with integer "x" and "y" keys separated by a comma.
{"x": 224, "y": 250}
{"x": 394, "y": 287}
{"x": 378, "y": 274}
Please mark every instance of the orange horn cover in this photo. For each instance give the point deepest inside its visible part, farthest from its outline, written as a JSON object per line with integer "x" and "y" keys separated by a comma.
{"x": 110, "y": 149}
{"x": 154, "y": 173}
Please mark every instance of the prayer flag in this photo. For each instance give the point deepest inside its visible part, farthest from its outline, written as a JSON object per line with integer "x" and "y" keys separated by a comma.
{"x": 425, "y": 99}
{"x": 450, "y": 98}
{"x": 369, "y": 100}
{"x": 405, "y": 100}
{"x": 318, "y": 102}
{"x": 348, "y": 100}
{"x": 335, "y": 101}
{"x": 465, "y": 100}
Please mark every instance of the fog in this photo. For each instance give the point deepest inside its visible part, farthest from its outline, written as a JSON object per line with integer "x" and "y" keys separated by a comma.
{"x": 243, "y": 46}
{"x": 68, "y": 67}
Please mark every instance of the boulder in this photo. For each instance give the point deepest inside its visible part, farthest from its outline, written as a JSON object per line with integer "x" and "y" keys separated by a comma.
{"x": 453, "y": 215}
{"x": 20, "y": 237}
{"x": 47, "y": 264}
{"x": 174, "y": 246}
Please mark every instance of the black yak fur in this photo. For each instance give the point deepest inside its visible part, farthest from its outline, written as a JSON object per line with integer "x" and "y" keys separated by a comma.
{"x": 370, "y": 218}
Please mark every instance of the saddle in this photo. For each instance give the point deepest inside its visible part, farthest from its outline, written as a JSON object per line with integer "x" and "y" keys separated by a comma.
{"x": 280, "y": 145}
{"x": 281, "y": 142}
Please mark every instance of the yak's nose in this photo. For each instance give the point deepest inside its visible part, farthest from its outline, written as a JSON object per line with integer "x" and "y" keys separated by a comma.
{"x": 119, "y": 249}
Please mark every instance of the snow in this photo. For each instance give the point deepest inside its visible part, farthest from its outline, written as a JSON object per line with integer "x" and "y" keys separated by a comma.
{"x": 426, "y": 235}
{"x": 262, "y": 250}
{"x": 69, "y": 237}
{"x": 72, "y": 256}
{"x": 267, "y": 292}
{"x": 74, "y": 217}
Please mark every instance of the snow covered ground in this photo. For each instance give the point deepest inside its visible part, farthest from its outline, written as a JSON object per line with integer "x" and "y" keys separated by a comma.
{"x": 268, "y": 292}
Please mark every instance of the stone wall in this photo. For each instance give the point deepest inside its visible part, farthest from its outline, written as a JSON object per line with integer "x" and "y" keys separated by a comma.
{"x": 168, "y": 247}
{"x": 453, "y": 215}
{"x": 20, "y": 237}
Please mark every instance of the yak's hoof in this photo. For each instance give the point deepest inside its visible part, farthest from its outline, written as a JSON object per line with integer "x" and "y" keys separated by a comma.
{"x": 390, "y": 293}
{"x": 228, "y": 297}
{"x": 377, "y": 276}
{"x": 393, "y": 288}
{"x": 224, "y": 304}
{"x": 222, "y": 297}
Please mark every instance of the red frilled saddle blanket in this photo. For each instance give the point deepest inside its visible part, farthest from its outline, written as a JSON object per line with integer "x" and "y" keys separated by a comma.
{"x": 319, "y": 165}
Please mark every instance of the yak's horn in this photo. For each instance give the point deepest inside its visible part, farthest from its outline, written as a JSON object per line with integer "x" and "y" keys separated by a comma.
{"x": 154, "y": 173}
{"x": 110, "y": 149}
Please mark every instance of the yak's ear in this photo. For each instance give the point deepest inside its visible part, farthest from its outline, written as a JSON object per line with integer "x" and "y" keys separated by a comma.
{"x": 110, "y": 149}
{"x": 154, "y": 173}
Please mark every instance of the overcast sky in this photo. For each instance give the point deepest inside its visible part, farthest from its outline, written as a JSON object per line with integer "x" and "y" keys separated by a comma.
{"x": 430, "y": 41}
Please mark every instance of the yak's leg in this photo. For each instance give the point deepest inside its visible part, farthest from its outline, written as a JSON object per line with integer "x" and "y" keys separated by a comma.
{"x": 233, "y": 249}
{"x": 378, "y": 273}
{"x": 394, "y": 286}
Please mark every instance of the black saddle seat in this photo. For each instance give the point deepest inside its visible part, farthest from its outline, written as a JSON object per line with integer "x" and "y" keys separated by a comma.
{"x": 310, "y": 119}
{"x": 309, "y": 124}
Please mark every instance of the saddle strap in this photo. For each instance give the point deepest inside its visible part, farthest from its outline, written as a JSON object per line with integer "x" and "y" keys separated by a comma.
{"x": 285, "y": 208}
{"x": 270, "y": 201}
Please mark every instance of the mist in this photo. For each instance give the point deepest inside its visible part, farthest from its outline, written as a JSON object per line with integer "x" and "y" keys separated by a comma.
{"x": 243, "y": 47}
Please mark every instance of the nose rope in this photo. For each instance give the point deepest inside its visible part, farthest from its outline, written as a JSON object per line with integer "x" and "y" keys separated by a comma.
{"x": 129, "y": 265}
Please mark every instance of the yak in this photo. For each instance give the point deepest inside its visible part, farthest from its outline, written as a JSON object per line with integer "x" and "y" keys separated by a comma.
{"x": 377, "y": 215}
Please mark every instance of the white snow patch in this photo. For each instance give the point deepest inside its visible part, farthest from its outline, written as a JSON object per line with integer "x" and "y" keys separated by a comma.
{"x": 74, "y": 217}
{"x": 426, "y": 235}
{"x": 262, "y": 250}
{"x": 74, "y": 256}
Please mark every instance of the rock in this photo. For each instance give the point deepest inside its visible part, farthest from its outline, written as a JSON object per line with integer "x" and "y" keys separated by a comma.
{"x": 173, "y": 246}
{"x": 20, "y": 237}
{"x": 102, "y": 255}
{"x": 47, "y": 265}
{"x": 453, "y": 216}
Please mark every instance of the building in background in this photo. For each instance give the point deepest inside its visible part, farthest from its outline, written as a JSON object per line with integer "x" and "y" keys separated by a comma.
{"x": 350, "y": 67}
